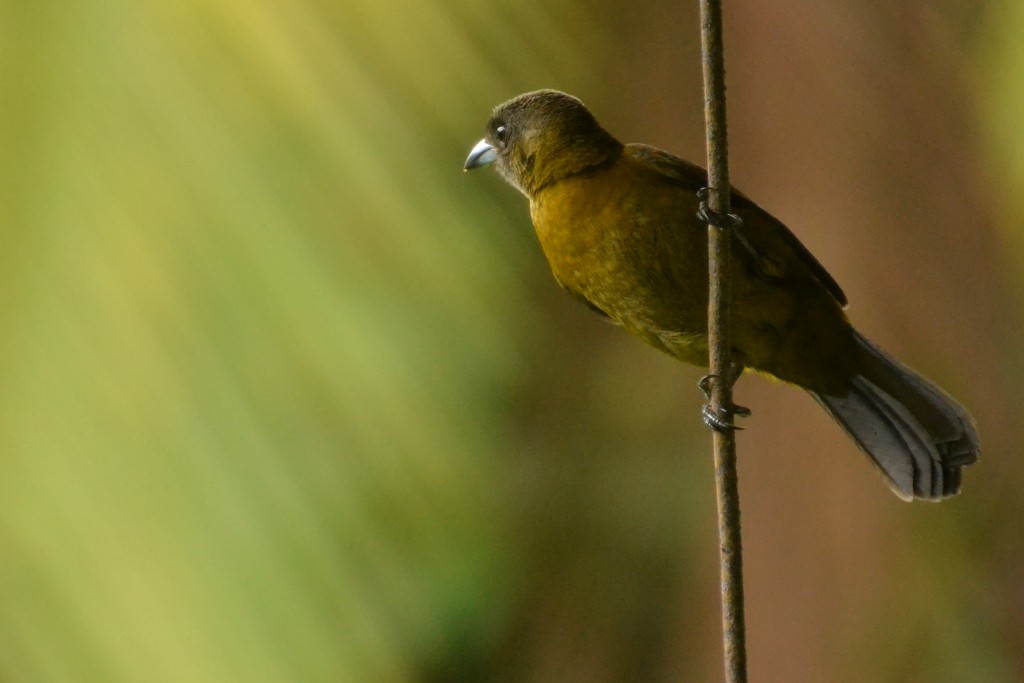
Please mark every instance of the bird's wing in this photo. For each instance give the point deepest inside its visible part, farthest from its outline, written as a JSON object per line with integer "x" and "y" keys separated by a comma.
{"x": 693, "y": 177}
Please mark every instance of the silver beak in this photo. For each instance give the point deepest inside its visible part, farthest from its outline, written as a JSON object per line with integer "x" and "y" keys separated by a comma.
{"x": 481, "y": 155}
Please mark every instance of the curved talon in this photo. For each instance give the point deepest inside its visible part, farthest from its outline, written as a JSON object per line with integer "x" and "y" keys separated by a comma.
{"x": 705, "y": 385}
{"x": 712, "y": 217}
{"x": 718, "y": 420}
{"x": 730, "y": 220}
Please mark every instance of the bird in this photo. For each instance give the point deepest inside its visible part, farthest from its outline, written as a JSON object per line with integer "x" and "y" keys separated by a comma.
{"x": 619, "y": 226}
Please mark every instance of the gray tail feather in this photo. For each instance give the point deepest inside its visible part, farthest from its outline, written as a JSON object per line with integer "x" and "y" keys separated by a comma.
{"x": 917, "y": 434}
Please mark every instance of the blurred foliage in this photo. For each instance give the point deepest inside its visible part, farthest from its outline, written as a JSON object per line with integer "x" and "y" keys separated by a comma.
{"x": 1001, "y": 100}
{"x": 284, "y": 396}
{"x": 254, "y": 338}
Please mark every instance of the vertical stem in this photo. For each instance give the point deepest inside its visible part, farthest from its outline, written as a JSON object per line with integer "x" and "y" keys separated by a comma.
{"x": 719, "y": 360}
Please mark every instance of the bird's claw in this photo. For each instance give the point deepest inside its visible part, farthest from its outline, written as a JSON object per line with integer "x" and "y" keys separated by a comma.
{"x": 719, "y": 420}
{"x": 712, "y": 217}
{"x": 705, "y": 385}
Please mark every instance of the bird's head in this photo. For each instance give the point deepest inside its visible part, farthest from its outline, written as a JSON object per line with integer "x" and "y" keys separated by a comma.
{"x": 540, "y": 137}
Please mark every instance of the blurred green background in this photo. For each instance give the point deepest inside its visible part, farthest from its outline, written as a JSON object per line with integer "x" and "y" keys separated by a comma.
{"x": 286, "y": 396}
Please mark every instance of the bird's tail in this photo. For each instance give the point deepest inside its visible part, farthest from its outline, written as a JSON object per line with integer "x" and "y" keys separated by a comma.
{"x": 917, "y": 434}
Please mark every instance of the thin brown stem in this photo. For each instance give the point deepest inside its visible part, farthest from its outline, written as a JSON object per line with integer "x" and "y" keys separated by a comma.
{"x": 719, "y": 360}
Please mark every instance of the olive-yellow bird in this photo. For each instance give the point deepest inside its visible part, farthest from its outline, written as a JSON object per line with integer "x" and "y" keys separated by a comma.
{"x": 618, "y": 224}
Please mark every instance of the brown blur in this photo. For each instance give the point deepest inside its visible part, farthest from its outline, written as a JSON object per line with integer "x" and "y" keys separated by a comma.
{"x": 862, "y": 129}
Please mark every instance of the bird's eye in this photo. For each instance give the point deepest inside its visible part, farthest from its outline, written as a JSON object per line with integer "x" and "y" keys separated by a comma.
{"x": 501, "y": 135}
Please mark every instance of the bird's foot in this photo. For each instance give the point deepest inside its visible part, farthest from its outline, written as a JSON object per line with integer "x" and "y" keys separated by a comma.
{"x": 719, "y": 420}
{"x": 765, "y": 267}
{"x": 712, "y": 217}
